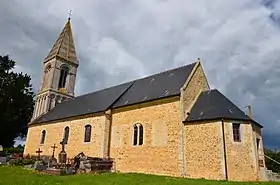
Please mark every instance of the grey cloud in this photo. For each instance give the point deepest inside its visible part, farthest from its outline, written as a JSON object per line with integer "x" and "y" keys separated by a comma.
{"x": 117, "y": 41}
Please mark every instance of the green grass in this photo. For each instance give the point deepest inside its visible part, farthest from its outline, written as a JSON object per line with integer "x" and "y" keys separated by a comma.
{"x": 19, "y": 176}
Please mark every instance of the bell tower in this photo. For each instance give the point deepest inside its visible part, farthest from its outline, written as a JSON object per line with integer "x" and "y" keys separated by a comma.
{"x": 59, "y": 73}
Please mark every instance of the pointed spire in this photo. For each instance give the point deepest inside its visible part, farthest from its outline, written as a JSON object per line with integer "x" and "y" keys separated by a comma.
{"x": 64, "y": 46}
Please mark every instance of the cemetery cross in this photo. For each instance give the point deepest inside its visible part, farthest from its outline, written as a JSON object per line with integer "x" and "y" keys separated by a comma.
{"x": 53, "y": 147}
{"x": 39, "y": 152}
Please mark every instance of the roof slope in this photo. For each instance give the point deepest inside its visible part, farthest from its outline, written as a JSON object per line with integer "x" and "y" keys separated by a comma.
{"x": 154, "y": 87}
{"x": 212, "y": 104}
{"x": 90, "y": 103}
{"x": 64, "y": 46}
{"x": 157, "y": 86}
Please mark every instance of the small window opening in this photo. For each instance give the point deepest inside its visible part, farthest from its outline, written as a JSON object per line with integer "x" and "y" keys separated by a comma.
{"x": 138, "y": 134}
{"x": 236, "y": 132}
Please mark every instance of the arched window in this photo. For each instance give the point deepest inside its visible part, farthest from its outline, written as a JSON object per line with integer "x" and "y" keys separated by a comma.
{"x": 43, "y": 137}
{"x": 135, "y": 134}
{"x": 87, "y": 133}
{"x": 138, "y": 134}
{"x": 46, "y": 76}
{"x": 50, "y": 104}
{"x": 66, "y": 134}
{"x": 140, "y": 142}
{"x": 63, "y": 76}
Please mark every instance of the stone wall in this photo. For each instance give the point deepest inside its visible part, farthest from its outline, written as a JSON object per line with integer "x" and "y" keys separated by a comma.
{"x": 204, "y": 155}
{"x": 204, "y": 149}
{"x": 260, "y": 152}
{"x": 197, "y": 83}
{"x": 159, "y": 152}
{"x": 241, "y": 156}
{"x": 76, "y": 144}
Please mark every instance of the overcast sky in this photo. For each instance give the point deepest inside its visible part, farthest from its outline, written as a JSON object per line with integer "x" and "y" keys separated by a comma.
{"x": 120, "y": 40}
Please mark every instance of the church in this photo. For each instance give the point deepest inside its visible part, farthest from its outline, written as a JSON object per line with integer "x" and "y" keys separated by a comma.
{"x": 171, "y": 123}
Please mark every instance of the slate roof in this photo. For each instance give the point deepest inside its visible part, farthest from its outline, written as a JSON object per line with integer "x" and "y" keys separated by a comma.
{"x": 89, "y": 103}
{"x": 157, "y": 86}
{"x": 64, "y": 46}
{"x": 153, "y": 87}
{"x": 212, "y": 104}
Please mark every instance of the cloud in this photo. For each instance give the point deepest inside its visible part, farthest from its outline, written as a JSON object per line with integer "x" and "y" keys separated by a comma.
{"x": 117, "y": 41}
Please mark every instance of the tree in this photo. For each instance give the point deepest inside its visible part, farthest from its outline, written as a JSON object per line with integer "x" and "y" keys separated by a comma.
{"x": 16, "y": 102}
{"x": 271, "y": 165}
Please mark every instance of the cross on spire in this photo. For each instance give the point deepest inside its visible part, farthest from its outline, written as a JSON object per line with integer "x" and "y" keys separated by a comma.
{"x": 69, "y": 14}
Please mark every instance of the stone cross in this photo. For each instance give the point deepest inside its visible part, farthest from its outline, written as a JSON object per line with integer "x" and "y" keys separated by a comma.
{"x": 63, "y": 143}
{"x": 53, "y": 147}
{"x": 39, "y": 152}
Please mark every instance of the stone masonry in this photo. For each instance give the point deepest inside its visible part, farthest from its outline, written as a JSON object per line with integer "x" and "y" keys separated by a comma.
{"x": 159, "y": 153}
{"x": 76, "y": 144}
{"x": 170, "y": 148}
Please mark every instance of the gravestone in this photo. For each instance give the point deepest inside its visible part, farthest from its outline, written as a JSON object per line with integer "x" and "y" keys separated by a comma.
{"x": 52, "y": 162}
{"x": 1, "y": 148}
{"x": 3, "y": 160}
{"x": 62, "y": 156}
{"x": 39, "y": 166}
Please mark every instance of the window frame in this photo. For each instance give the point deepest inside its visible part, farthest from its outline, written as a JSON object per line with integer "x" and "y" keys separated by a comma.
{"x": 258, "y": 142}
{"x": 236, "y": 132}
{"x": 66, "y": 131}
{"x": 87, "y": 136}
{"x": 138, "y": 135}
{"x": 43, "y": 137}
{"x": 64, "y": 72}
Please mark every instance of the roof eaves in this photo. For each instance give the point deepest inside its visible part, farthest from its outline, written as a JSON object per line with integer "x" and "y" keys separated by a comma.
{"x": 223, "y": 118}
{"x": 155, "y": 99}
{"x": 68, "y": 117}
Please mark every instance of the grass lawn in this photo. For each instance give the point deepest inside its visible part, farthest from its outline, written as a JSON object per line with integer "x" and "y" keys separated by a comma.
{"x": 19, "y": 176}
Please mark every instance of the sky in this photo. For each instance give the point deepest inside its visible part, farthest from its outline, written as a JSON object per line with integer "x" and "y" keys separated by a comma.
{"x": 238, "y": 43}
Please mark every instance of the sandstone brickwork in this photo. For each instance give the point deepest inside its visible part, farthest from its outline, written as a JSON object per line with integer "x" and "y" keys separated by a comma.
{"x": 76, "y": 144}
{"x": 195, "y": 84}
{"x": 203, "y": 150}
{"x": 191, "y": 90}
{"x": 241, "y": 156}
{"x": 156, "y": 155}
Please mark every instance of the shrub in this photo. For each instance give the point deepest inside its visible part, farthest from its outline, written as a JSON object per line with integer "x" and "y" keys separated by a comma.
{"x": 21, "y": 162}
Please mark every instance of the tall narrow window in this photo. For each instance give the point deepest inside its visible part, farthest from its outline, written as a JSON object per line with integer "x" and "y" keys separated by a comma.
{"x": 236, "y": 132}
{"x": 43, "y": 137}
{"x": 46, "y": 76}
{"x": 138, "y": 134}
{"x": 135, "y": 134}
{"x": 50, "y": 104}
{"x": 63, "y": 76}
{"x": 56, "y": 102}
{"x": 258, "y": 143}
{"x": 66, "y": 134}
{"x": 87, "y": 133}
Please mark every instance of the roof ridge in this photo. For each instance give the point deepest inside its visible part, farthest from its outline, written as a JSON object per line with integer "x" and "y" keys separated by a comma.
{"x": 168, "y": 70}
{"x": 132, "y": 81}
{"x": 134, "y": 91}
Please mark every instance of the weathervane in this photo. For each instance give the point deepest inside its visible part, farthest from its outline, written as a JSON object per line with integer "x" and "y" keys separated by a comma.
{"x": 69, "y": 14}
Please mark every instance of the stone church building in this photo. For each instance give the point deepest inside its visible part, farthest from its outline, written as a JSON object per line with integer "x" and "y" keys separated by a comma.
{"x": 170, "y": 123}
